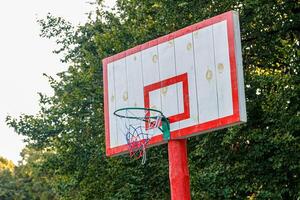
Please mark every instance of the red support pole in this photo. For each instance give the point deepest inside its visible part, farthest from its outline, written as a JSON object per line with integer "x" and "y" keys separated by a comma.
{"x": 179, "y": 170}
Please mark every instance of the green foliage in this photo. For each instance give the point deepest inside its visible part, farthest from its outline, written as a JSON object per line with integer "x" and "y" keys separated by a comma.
{"x": 26, "y": 181}
{"x": 6, "y": 164}
{"x": 258, "y": 160}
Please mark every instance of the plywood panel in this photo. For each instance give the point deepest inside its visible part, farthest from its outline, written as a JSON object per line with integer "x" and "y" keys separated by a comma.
{"x": 169, "y": 98}
{"x": 184, "y": 56}
{"x": 112, "y": 106}
{"x": 151, "y": 73}
{"x": 135, "y": 80}
{"x": 205, "y": 74}
{"x": 223, "y": 69}
{"x": 121, "y": 93}
{"x": 135, "y": 87}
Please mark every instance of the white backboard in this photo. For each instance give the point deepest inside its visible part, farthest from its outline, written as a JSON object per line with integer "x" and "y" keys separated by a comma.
{"x": 194, "y": 76}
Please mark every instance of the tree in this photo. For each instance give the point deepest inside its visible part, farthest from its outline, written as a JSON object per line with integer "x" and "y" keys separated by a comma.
{"x": 6, "y": 180}
{"x": 259, "y": 160}
{"x": 27, "y": 180}
{"x": 6, "y": 164}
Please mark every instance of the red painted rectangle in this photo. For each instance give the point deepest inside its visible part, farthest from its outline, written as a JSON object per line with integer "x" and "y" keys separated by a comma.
{"x": 183, "y": 78}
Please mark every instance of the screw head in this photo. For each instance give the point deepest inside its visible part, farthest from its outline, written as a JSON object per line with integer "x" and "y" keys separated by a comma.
{"x": 208, "y": 74}
{"x": 220, "y": 67}
{"x": 164, "y": 90}
{"x": 154, "y": 58}
{"x": 189, "y": 46}
{"x": 125, "y": 96}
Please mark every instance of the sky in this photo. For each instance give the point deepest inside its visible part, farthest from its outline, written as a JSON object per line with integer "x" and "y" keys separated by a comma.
{"x": 24, "y": 57}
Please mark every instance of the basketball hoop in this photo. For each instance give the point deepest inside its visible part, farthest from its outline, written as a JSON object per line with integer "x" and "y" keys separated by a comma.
{"x": 139, "y": 125}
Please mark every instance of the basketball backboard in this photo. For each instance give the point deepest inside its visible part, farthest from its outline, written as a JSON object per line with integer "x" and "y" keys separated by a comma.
{"x": 194, "y": 76}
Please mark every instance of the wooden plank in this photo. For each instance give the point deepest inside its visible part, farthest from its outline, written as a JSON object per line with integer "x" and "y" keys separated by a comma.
{"x": 135, "y": 80}
{"x": 121, "y": 94}
{"x": 135, "y": 87}
{"x": 112, "y": 106}
{"x": 205, "y": 74}
{"x": 169, "y": 97}
{"x": 184, "y": 56}
{"x": 223, "y": 69}
{"x": 151, "y": 74}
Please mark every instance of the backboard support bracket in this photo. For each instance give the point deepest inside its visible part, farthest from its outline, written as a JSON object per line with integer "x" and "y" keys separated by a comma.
{"x": 165, "y": 128}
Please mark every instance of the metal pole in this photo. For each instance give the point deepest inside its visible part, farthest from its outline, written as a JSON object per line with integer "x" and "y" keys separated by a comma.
{"x": 179, "y": 170}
